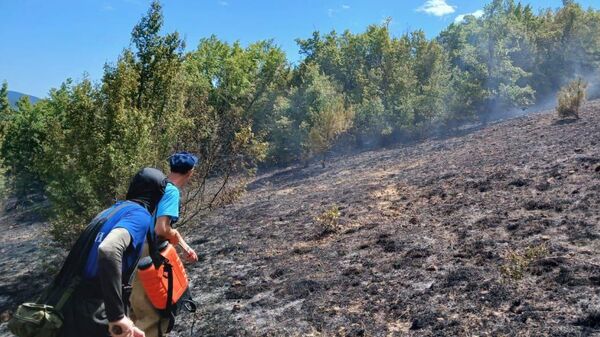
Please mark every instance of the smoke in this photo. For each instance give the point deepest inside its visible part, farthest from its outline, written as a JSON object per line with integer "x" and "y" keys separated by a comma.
{"x": 593, "y": 85}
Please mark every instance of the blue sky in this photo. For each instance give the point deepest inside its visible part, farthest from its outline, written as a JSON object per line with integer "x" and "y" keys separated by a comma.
{"x": 44, "y": 42}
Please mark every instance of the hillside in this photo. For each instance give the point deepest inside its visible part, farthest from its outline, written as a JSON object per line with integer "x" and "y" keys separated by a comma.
{"x": 14, "y": 97}
{"x": 425, "y": 243}
{"x": 424, "y": 249}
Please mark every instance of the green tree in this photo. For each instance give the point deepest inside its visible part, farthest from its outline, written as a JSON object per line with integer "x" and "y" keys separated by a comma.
{"x": 231, "y": 93}
{"x": 100, "y": 135}
{"x": 568, "y": 43}
{"x": 484, "y": 54}
{"x": 327, "y": 117}
{"x": 432, "y": 70}
{"x": 5, "y": 110}
{"x": 22, "y": 146}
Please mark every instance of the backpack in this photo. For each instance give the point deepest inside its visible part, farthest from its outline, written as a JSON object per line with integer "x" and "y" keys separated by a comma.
{"x": 165, "y": 282}
{"x": 44, "y": 318}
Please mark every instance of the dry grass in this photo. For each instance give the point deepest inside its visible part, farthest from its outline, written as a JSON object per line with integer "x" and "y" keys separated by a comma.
{"x": 329, "y": 220}
{"x": 570, "y": 99}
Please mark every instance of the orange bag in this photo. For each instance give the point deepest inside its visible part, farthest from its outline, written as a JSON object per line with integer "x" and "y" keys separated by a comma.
{"x": 169, "y": 277}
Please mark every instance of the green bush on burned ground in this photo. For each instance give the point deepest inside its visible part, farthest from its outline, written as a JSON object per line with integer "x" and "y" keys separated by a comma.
{"x": 570, "y": 99}
{"x": 329, "y": 220}
{"x": 517, "y": 262}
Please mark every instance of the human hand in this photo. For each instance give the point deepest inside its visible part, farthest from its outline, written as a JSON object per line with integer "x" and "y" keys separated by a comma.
{"x": 191, "y": 255}
{"x": 137, "y": 332}
{"x": 124, "y": 328}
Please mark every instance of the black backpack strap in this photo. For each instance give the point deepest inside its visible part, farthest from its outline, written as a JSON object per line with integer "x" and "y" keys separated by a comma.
{"x": 169, "y": 307}
{"x": 71, "y": 272}
{"x": 67, "y": 294}
{"x": 80, "y": 251}
{"x": 126, "y": 287}
{"x": 157, "y": 258}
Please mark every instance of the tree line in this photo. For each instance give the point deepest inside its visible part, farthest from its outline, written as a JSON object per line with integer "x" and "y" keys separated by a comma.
{"x": 239, "y": 107}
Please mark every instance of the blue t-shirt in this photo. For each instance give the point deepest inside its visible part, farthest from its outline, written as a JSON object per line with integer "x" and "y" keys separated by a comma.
{"x": 169, "y": 204}
{"x": 136, "y": 220}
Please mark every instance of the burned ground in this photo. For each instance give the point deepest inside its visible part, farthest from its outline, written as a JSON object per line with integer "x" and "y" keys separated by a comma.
{"x": 494, "y": 233}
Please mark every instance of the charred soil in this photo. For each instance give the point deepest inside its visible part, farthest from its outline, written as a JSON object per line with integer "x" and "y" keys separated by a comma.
{"x": 494, "y": 233}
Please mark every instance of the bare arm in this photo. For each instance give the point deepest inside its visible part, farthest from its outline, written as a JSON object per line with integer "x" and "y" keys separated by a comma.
{"x": 163, "y": 228}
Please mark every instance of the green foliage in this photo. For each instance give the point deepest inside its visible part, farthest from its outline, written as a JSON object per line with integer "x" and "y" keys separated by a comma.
{"x": 570, "y": 98}
{"x": 329, "y": 220}
{"x": 327, "y": 115}
{"x": 490, "y": 57}
{"x": 517, "y": 262}
{"x": 5, "y": 117}
{"x": 238, "y": 106}
{"x": 84, "y": 142}
{"x": 101, "y": 135}
{"x": 230, "y": 94}
{"x": 22, "y": 144}
{"x": 370, "y": 121}
{"x": 5, "y": 109}
{"x": 568, "y": 43}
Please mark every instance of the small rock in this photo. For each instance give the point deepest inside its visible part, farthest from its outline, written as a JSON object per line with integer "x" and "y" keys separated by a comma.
{"x": 512, "y": 226}
{"x": 421, "y": 286}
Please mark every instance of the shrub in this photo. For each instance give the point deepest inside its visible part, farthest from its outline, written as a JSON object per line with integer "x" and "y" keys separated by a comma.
{"x": 517, "y": 263}
{"x": 329, "y": 220}
{"x": 22, "y": 143}
{"x": 570, "y": 98}
{"x": 328, "y": 115}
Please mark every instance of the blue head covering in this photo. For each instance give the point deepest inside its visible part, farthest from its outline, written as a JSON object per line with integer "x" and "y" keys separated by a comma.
{"x": 182, "y": 162}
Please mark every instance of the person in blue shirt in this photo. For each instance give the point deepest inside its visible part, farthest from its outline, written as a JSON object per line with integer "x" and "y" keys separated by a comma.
{"x": 167, "y": 214}
{"x": 97, "y": 307}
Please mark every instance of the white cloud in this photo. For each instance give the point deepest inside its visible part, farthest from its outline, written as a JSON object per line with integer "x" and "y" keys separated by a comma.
{"x": 461, "y": 18}
{"x": 223, "y": 3}
{"x": 437, "y": 8}
{"x": 108, "y": 7}
{"x": 331, "y": 12}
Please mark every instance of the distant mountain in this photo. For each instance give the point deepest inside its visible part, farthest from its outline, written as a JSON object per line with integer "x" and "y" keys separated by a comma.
{"x": 13, "y": 97}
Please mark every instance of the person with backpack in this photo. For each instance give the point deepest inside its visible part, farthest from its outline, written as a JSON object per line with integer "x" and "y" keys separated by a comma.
{"x": 144, "y": 314}
{"x": 89, "y": 296}
{"x": 112, "y": 260}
